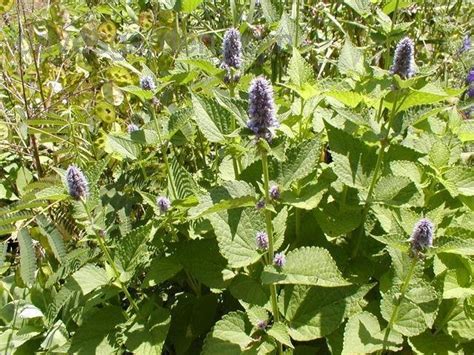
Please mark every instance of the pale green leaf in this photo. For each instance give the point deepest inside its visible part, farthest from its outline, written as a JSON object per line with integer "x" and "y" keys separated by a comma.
{"x": 279, "y": 331}
{"x": 351, "y": 60}
{"x": 162, "y": 269}
{"x": 363, "y": 335}
{"x": 55, "y": 238}
{"x": 96, "y": 333}
{"x": 306, "y": 266}
{"x": 147, "y": 336}
{"x": 27, "y": 257}
{"x": 90, "y": 277}
{"x": 212, "y": 119}
{"x": 236, "y": 230}
{"x": 201, "y": 258}
{"x": 314, "y": 312}
{"x": 232, "y": 329}
{"x": 299, "y": 70}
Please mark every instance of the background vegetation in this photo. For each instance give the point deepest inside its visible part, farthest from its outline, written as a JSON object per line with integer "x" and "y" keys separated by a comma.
{"x": 359, "y": 158}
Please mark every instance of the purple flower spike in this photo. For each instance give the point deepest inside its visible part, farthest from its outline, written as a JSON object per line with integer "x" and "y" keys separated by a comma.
{"x": 260, "y": 204}
{"x": 470, "y": 77}
{"x": 147, "y": 83}
{"x": 279, "y": 259}
{"x": 232, "y": 48}
{"x": 261, "y": 240}
{"x": 404, "y": 59}
{"x": 466, "y": 44}
{"x": 163, "y": 203}
{"x": 132, "y": 128}
{"x": 274, "y": 192}
{"x": 262, "y": 109}
{"x": 422, "y": 236}
{"x": 77, "y": 182}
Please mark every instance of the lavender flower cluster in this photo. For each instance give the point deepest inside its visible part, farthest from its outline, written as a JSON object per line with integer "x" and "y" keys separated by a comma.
{"x": 262, "y": 109}
{"x": 77, "y": 183}
{"x": 232, "y": 48}
{"x": 470, "y": 83}
{"x": 147, "y": 83}
{"x": 404, "y": 59}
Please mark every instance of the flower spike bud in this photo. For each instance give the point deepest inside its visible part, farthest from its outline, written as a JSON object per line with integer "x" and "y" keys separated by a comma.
{"x": 404, "y": 59}
{"x": 77, "y": 182}
{"x": 163, "y": 203}
{"x": 422, "y": 236}
{"x": 147, "y": 83}
{"x": 274, "y": 192}
{"x": 132, "y": 127}
{"x": 279, "y": 260}
{"x": 261, "y": 240}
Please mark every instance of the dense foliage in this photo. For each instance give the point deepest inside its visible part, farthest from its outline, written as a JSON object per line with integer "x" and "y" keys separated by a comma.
{"x": 227, "y": 177}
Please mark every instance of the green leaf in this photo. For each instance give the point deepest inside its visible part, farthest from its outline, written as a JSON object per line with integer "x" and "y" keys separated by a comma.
{"x": 314, "y": 312}
{"x": 354, "y": 161}
{"x": 300, "y": 162}
{"x": 279, "y": 331}
{"x": 460, "y": 326}
{"x": 205, "y": 65}
{"x": 162, "y": 269}
{"x": 90, "y": 277}
{"x": 212, "y": 119}
{"x": 409, "y": 318}
{"x": 306, "y": 266}
{"x": 187, "y": 6}
{"x": 439, "y": 154}
{"x": 279, "y": 227}
{"x": 131, "y": 250}
{"x": 459, "y": 181}
{"x": 247, "y": 289}
{"x": 428, "y": 94}
{"x": 455, "y": 245}
{"x": 27, "y": 257}
{"x": 351, "y": 60}
{"x": 348, "y": 98}
{"x": 121, "y": 147}
{"x": 135, "y": 90}
{"x": 433, "y": 344}
{"x": 148, "y": 334}
{"x": 363, "y": 335}
{"x": 337, "y": 220}
{"x": 55, "y": 239}
{"x": 362, "y": 7}
{"x": 396, "y": 191}
{"x": 201, "y": 259}
{"x": 309, "y": 196}
{"x": 230, "y": 335}
{"x": 232, "y": 194}
{"x": 191, "y": 318}
{"x": 96, "y": 333}
{"x": 236, "y": 230}
{"x": 299, "y": 70}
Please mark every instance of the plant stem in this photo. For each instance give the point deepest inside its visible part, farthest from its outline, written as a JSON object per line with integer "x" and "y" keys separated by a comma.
{"x": 395, "y": 310}
{"x": 378, "y": 165}
{"x": 33, "y": 142}
{"x": 165, "y": 153}
{"x": 297, "y": 20}
{"x": 269, "y": 227}
{"x": 104, "y": 249}
{"x": 387, "y": 41}
{"x": 234, "y": 159}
